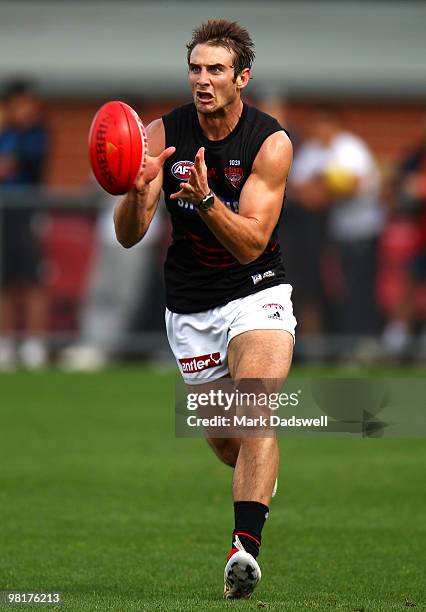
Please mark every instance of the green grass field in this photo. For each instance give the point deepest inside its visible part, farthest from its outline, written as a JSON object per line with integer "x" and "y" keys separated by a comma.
{"x": 100, "y": 501}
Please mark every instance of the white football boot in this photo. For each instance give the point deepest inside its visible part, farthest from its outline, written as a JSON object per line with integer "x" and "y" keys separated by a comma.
{"x": 242, "y": 573}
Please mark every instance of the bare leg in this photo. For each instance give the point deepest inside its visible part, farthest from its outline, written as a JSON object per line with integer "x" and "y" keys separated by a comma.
{"x": 6, "y": 313}
{"x": 37, "y": 311}
{"x": 266, "y": 355}
{"x": 7, "y": 326}
{"x": 256, "y": 470}
{"x": 33, "y": 352}
{"x": 226, "y": 449}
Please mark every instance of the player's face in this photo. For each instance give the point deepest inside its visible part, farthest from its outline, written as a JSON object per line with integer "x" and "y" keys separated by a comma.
{"x": 211, "y": 75}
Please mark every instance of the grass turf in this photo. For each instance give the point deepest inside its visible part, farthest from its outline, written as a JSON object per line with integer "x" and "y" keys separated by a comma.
{"x": 100, "y": 501}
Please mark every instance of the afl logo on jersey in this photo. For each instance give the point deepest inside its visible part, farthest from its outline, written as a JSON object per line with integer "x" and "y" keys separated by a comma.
{"x": 182, "y": 170}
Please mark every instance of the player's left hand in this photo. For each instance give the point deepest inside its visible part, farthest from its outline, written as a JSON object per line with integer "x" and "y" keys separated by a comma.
{"x": 197, "y": 187}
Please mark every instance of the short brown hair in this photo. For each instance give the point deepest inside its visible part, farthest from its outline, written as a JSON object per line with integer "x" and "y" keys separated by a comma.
{"x": 228, "y": 34}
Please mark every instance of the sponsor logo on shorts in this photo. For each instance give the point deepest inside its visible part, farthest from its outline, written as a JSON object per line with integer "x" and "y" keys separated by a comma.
{"x": 274, "y": 309}
{"x": 273, "y": 305}
{"x": 275, "y": 315}
{"x": 182, "y": 170}
{"x": 190, "y": 365}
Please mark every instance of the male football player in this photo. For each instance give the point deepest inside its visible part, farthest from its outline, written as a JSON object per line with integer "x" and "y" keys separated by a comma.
{"x": 222, "y": 166}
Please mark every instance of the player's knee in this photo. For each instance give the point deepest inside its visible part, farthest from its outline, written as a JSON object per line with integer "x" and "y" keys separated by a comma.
{"x": 256, "y": 444}
{"x": 226, "y": 449}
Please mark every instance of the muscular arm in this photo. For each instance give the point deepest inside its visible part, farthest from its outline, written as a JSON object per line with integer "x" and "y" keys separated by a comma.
{"x": 134, "y": 213}
{"x": 246, "y": 235}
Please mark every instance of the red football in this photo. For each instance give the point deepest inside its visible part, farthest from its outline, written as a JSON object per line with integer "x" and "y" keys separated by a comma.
{"x": 117, "y": 147}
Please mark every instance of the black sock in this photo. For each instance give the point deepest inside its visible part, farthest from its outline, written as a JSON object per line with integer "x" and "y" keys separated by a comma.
{"x": 250, "y": 517}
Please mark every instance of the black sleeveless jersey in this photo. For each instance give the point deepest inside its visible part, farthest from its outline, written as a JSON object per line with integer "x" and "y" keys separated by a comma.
{"x": 199, "y": 272}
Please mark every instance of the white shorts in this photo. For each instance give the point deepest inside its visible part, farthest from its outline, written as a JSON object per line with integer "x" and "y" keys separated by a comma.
{"x": 199, "y": 340}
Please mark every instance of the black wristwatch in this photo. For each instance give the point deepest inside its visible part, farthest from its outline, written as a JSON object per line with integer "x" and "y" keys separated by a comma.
{"x": 207, "y": 202}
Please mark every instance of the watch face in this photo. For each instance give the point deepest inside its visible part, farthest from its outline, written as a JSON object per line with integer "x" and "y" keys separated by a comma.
{"x": 206, "y": 202}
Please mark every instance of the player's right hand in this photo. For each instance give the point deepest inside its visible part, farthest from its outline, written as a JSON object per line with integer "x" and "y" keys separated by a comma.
{"x": 152, "y": 168}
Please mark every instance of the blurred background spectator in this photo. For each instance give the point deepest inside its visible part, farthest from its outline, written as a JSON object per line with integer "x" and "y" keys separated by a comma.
{"x": 23, "y": 149}
{"x": 408, "y": 312}
{"x": 118, "y": 281}
{"x": 353, "y": 228}
{"x": 336, "y": 179}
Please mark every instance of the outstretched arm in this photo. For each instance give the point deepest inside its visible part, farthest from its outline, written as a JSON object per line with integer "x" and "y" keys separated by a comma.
{"x": 134, "y": 213}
